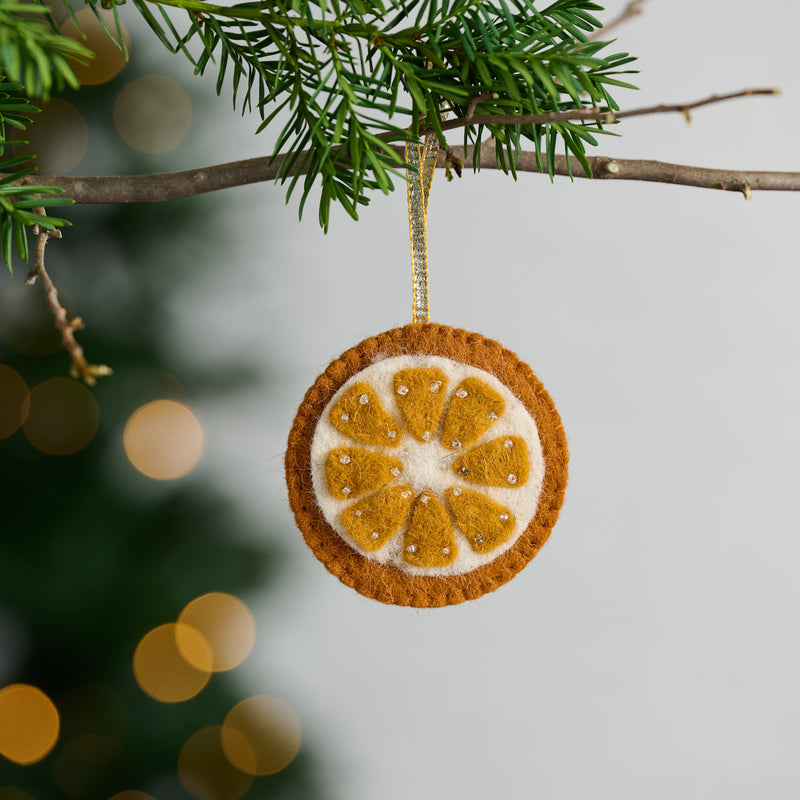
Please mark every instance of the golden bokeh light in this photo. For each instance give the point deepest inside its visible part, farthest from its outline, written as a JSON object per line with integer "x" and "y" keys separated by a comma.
{"x": 128, "y": 794}
{"x": 153, "y": 114}
{"x": 261, "y": 735}
{"x": 163, "y": 440}
{"x": 89, "y": 766}
{"x": 226, "y": 623}
{"x": 206, "y": 773}
{"x": 58, "y": 136}
{"x": 109, "y": 59}
{"x": 62, "y": 416}
{"x": 29, "y": 724}
{"x": 160, "y": 669}
{"x": 13, "y": 397}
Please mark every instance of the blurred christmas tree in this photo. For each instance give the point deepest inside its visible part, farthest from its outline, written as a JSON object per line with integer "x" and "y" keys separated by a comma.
{"x": 103, "y": 544}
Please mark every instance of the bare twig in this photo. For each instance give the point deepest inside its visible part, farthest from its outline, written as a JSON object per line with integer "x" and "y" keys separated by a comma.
{"x": 159, "y": 188}
{"x": 633, "y": 9}
{"x": 80, "y": 368}
{"x": 598, "y": 114}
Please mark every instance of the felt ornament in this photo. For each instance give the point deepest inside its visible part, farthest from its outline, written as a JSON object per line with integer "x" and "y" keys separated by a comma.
{"x": 427, "y": 465}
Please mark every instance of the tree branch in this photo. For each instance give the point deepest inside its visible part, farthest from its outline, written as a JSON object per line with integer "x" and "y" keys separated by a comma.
{"x": 80, "y": 368}
{"x": 162, "y": 187}
{"x": 633, "y": 9}
{"x": 597, "y": 114}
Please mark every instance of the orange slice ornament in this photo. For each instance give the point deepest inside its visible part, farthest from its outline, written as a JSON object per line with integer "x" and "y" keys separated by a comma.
{"x": 426, "y": 466}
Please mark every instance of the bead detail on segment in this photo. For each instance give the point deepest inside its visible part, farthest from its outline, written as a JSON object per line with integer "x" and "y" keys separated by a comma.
{"x": 455, "y": 444}
{"x": 358, "y": 413}
{"x": 430, "y": 533}
{"x": 508, "y": 443}
{"x": 468, "y": 416}
{"x": 485, "y": 523}
{"x": 426, "y": 436}
{"x": 395, "y": 471}
{"x": 494, "y": 464}
{"x": 374, "y": 519}
{"x": 358, "y": 470}
{"x": 419, "y": 402}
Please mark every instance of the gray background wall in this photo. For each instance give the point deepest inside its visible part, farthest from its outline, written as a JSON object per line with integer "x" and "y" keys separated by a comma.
{"x": 651, "y": 649}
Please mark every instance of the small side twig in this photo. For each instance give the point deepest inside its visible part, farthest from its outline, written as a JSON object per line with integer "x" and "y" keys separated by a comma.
{"x": 633, "y": 9}
{"x": 80, "y": 368}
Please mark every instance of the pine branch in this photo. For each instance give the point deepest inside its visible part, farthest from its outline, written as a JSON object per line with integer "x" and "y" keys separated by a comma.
{"x": 163, "y": 187}
{"x": 347, "y": 79}
{"x": 166, "y": 186}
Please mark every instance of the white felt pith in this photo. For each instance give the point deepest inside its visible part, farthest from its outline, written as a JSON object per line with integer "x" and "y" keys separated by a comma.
{"x": 427, "y": 465}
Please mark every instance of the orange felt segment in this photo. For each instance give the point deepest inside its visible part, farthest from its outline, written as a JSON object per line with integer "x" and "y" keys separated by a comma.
{"x": 486, "y": 524}
{"x": 352, "y": 472}
{"x": 373, "y": 520}
{"x": 420, "y": 395}
{"x": 499, "y": 462}
{"x": 429, "y": 540}
{"x": 360, "y": 415}
{"x": 473, "y": 408}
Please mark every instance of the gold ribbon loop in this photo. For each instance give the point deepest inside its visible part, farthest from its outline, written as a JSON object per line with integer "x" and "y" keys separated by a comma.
{"x": 419, "y": 180}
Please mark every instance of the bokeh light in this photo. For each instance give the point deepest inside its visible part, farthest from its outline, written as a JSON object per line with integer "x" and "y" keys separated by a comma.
{"x": 163, "y": 440}
{"x": 109, "y": 59}
{"x": 160, "y": 669}
{"x": 89, "y": 766}
{"x": 62, "y": 416}
{"x": 58, "y": 136}
{"x": 225, "y": 622}
{"x": 153, "y": 114}
{"x": 29, "y": 724}
{"x": 261, "y": 735}
{"x": 13, "y": 405}
{"x": 206, "y": 773}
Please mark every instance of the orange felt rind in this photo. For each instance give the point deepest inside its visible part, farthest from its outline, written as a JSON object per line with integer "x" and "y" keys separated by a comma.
{"x": 472, "y": 515}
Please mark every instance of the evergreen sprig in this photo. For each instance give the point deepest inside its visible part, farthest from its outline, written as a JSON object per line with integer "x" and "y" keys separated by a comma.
{"x": 32, "y": 50}
{"x": 345, "y": 79}
{"x": 17, "y": 203}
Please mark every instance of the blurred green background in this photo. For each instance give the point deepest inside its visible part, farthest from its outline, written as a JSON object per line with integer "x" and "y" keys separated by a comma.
{"x": 94, "y": 554}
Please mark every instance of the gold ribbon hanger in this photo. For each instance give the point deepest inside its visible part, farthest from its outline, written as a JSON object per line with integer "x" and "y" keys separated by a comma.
{"x": 423, "y": 158}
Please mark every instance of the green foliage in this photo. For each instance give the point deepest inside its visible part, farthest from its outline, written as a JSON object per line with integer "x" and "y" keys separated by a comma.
{"x": 18, "y": 203}
{"x": 345, "y": 79}
{"x": 32, "y": 50}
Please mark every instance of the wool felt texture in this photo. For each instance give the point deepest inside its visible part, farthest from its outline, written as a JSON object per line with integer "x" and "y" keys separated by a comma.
{"x": 500, "y": 462}
{"x": 384, "y": 581}
{"x": 351, "y": 471}
{"x": 375, "y": 519}
{"x": 485, "y": 523}
{"x": 420, "y": 394}
{"x": 360, "y": 415}
{"x": 429, "y": 540}
{"x": 473, "y": 409}
{"x": 426, "y": 463}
